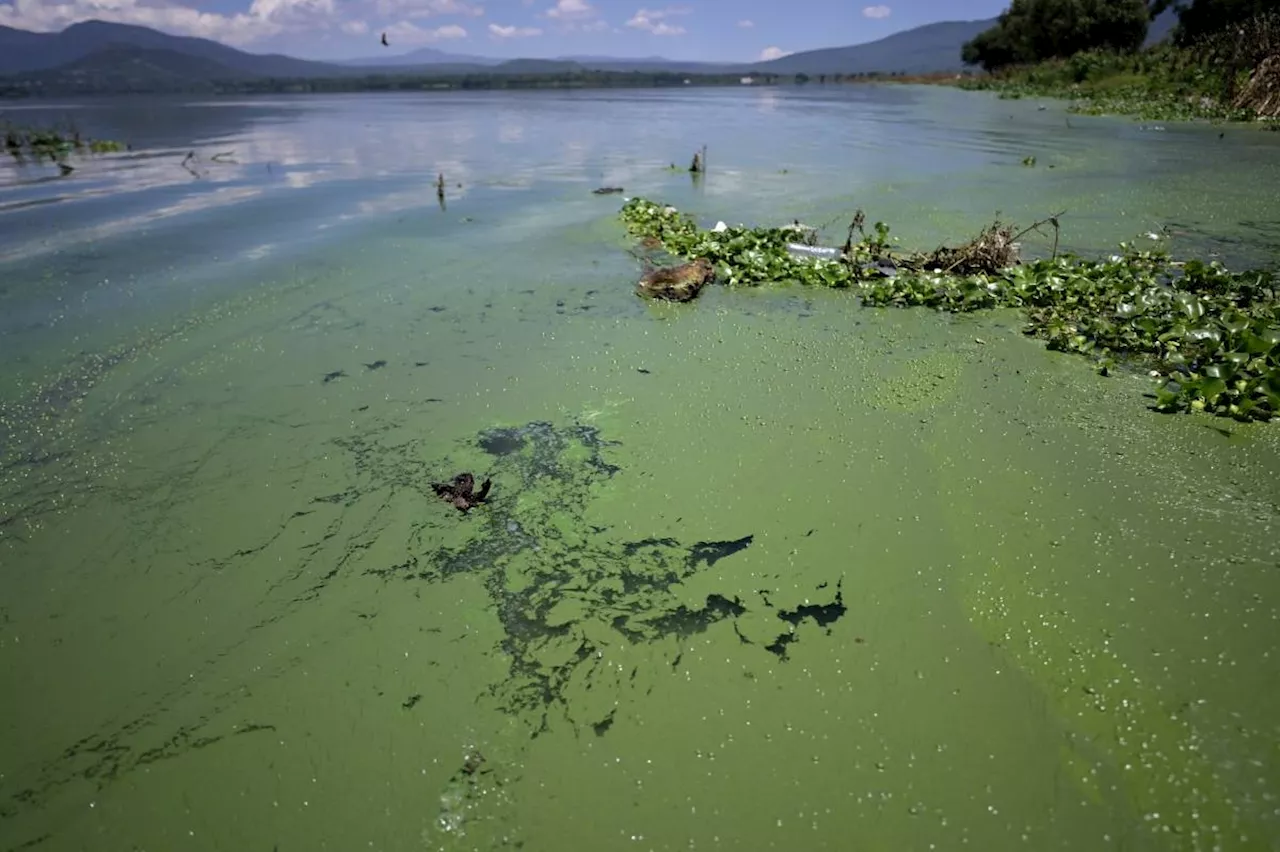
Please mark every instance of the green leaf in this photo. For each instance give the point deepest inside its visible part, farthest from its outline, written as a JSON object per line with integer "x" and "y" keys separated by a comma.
{"x": 1235, "y": 322}
{"x": 1256, "y": 344}
{"x": 1212, "y": 388}
{"x": 1190, "y": 305}
{"x": 1203, "y": 334}
{"x": 1225, "y": 372}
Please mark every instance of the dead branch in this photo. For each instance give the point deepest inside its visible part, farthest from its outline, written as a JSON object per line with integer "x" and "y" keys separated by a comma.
{"x": 1035, "y": 226}
{"x": 191, "y": 155}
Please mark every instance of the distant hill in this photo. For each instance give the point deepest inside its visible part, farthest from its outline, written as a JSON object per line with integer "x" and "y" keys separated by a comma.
{"x": 96, "y": 56}
{"x": 421, "y": 56}
{"x": 139, "y": 69}
{"x": 655, "y": 63}
{"x": 427, "y": 56}
{"x": 22, "y": 51}
{"x": 932, "y": 47}
{"x": 586, "y": 59}
{"x": 672, "y": 66}
{"x": 534, "y": 66}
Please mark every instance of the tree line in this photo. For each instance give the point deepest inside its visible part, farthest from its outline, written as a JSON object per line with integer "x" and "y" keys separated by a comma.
{"x": 1035, "y": 30}
{"x": 143, "y": 83}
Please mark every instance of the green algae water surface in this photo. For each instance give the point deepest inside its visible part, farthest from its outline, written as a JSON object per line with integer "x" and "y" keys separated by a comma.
{"x": 765, "y": 571}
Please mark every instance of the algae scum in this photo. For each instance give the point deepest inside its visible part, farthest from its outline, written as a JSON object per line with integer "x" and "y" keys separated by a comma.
{"x": 563, "y": 589}
{"x": 450, "y": 541}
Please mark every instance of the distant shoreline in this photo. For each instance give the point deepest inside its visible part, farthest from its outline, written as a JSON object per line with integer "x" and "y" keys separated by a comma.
{"x": 16, "y": 88}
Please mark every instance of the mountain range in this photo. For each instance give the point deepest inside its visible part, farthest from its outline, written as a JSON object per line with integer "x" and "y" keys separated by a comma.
{"x": 101, "y": 56}
{"x": 22, "y": 52}
{"x": 121, "y": 50}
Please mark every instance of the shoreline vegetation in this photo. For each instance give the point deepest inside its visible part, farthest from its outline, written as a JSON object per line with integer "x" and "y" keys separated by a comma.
{"x": 1221, "y": 62}
{"x": 1208, "y": 337}
{"x": 1163, "y": 84}
{"x": 427, "y": 82}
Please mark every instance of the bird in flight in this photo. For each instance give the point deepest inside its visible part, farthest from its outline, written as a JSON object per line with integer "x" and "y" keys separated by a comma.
{"x": 384, "y": 40}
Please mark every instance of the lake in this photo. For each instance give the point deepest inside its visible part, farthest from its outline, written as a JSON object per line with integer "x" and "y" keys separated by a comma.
{"x": 766, "y": 571}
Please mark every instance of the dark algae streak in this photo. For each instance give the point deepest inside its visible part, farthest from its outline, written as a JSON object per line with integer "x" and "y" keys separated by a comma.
{"x": 561, "y": 588}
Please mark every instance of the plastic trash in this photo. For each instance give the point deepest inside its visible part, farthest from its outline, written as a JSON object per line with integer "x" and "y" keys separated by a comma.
{"x": 821, "y": 252}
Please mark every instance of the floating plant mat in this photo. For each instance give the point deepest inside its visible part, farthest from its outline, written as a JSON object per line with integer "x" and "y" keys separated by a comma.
{"x": 568, "y": 593}
{"x": 1209, "y": 337}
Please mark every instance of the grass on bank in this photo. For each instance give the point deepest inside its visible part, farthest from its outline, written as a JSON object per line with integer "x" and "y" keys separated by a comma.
{"x": 1225, "y": 77}
{"x": 1209, "y": 337}
{"x": 1164, "y": 84}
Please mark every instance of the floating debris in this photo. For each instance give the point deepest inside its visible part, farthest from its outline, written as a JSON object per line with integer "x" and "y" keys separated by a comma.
{"x": 680, "y": 283}
{"x": 464, "y": 790}
{"x": 1210, "y": 337}
{"x": 460, "y": 492}
{"x": 993, "y": 250}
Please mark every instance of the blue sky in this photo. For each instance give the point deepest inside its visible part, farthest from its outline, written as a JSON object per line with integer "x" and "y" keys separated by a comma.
{"x": 334, "y": 29}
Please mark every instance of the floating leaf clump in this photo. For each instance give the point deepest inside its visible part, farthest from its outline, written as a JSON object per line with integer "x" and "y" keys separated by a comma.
{"x": 1209, "y": 336}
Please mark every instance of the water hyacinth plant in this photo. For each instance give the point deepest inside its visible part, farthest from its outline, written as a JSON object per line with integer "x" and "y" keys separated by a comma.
{"x": 1209, "y": 336}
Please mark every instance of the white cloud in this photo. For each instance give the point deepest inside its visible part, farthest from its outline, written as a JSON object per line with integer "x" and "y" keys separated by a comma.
{"x": 773, "y": 53}
{"x": 876, "y": 12}
{"x": 427, "y": 8}
{"x": 651, "y": 20}
{"x": 513, "y": 32}
{"x": 746, "y": 24}
{"x": 407, "y": 33}
{"x": 287, "y": 12}
{"x": 264, "y": 17}
{"x": 571, "y": 10}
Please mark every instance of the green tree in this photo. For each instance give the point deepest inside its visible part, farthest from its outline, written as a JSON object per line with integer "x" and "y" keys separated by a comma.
{"x": 994, "y": 48}
{"x": 1033, "y": 30}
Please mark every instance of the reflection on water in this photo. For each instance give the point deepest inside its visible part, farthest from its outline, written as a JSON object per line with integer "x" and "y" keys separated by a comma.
{"x": 931, "y": 152}
{"x": 766, "y": 571}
